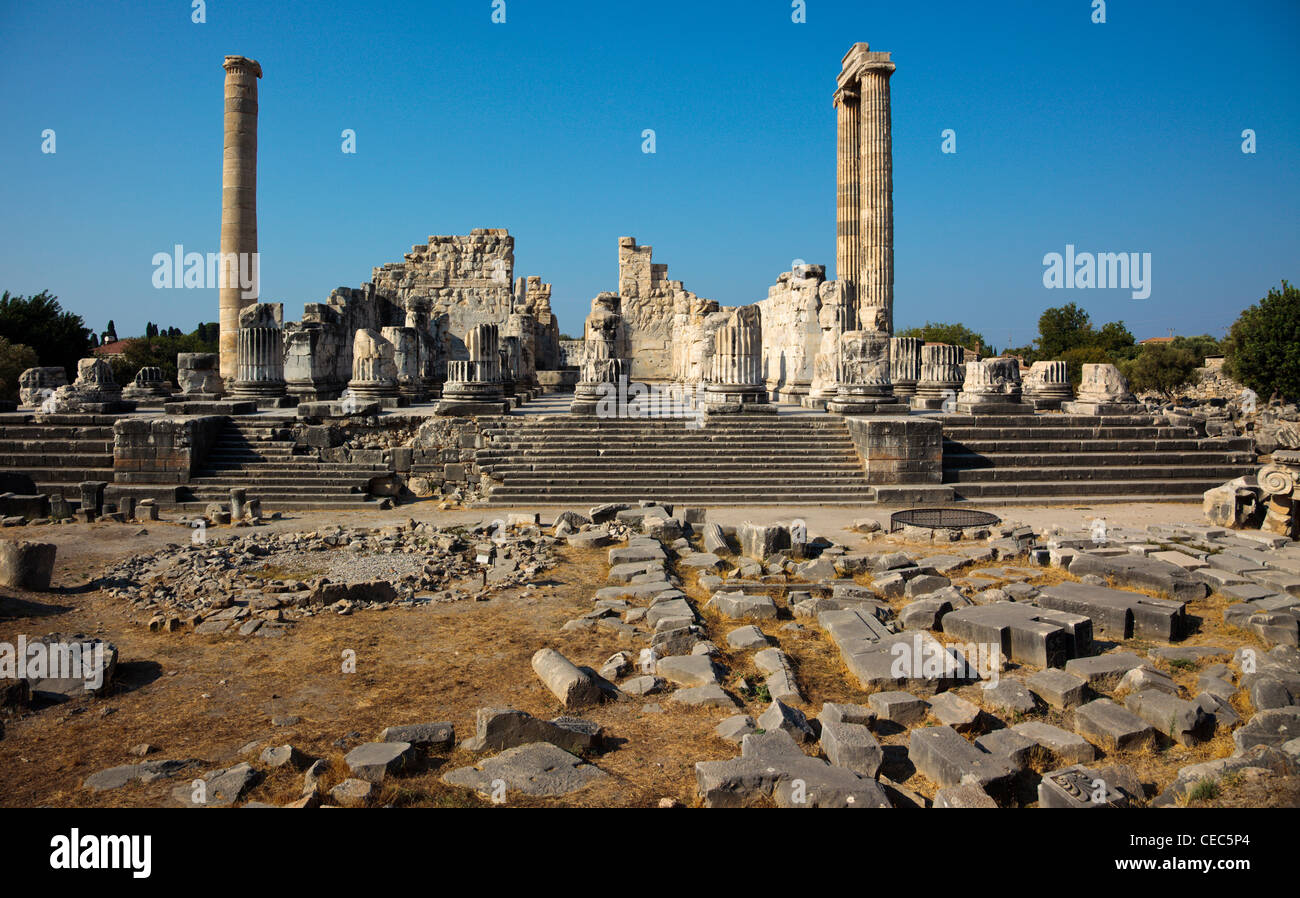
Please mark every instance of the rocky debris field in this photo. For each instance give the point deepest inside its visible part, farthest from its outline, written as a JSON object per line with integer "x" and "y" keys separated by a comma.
{"x": 750, "y": 665}
{"x": 259, "y": 584}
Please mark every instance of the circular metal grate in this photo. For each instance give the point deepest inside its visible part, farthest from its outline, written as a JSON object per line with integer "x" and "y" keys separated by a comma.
{"x": 942, "y": 518}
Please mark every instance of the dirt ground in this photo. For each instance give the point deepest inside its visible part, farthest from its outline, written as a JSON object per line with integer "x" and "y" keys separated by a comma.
{"x": 208, "y": 698}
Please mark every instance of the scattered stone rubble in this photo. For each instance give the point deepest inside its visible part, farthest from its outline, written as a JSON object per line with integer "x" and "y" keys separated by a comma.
{"x": 260, "y": 583}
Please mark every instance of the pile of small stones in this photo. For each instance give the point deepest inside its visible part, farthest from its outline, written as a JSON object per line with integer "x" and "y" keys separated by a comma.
{"x": 221, "y": 584}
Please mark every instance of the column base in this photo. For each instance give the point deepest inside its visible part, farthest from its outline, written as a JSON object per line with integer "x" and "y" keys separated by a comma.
{"x": 996, "y": 406}
{"x": 469, "y": 408}
{"x": 866, "y": 405}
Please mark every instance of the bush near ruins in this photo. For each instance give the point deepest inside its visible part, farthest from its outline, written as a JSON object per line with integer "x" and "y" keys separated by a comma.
{"x": 1263, "y": 346}
{"x": 15, "y": 358}
{"x": 1162, "y": 368}
{"x": 56, "y": 336}
{"x": 953, "y": 334}
{"x": 160, "y": 352}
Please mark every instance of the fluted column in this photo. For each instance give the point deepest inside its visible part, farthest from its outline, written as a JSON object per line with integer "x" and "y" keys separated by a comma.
{"x": 876, "y": 291}
{"x": 862, "y": 379}
{"x": 941, "y": 375}
{"x": 735, "y": 379}
{"x": 992, "y": 386}
{"x": 905, "y": 364}
{"x": 238, "y": 203}
{"x": 848, "y": 204}
{"x": 474, "y": 386}
{"x": 260, "y": 354}
{"x": 1047, "y": 384}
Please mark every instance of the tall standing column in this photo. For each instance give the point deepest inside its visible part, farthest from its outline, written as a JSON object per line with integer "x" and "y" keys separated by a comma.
{"x": 238, "y": 204}
{"x": 865, "y": 188}
{"x": 877, "y": 274}
{"x": 848, "y": 205}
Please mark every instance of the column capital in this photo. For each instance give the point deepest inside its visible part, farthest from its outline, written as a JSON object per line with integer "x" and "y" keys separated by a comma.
{"x": 242, "y": 64}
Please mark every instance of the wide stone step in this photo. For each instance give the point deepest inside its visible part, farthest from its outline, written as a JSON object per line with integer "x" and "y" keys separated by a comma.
{"x": 1069, "y": 433}
{"x": 55, "y": 459}
{"x": 46, "y": 474}
{"x": 1073, "y": 491}
{"x": 1006, "y": 475}
{"x": 53, "y": 432}
{"x": 674, "y": 469}
{"x": 1074, "y": 447}
{"x": 1065, "y": 459}
{"x": 680, "y": 496}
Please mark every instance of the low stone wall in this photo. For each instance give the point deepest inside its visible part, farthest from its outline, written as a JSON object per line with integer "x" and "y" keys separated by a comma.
{"x": 897, "y": 449}
{"x": 161, "y": 450}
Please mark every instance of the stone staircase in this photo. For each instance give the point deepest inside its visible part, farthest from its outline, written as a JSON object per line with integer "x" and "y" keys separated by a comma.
{"x": 60, "y": 452}
{"x": 753, "y": 460}
{"x": 250, "y": 453}
{"x": 1068, "y": 458}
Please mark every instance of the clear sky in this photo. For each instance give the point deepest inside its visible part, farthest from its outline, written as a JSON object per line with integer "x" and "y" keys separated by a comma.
{"x": 1115, "y": 137}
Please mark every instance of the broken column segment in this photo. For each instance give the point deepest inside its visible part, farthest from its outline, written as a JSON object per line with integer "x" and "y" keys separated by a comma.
{"x": 736, "y": 383}
{"x": 941, "y": 376}
{"x": 374, "y": 373}
{"x": 992, "y": 387}
{"x": 260, "y": 370}
{"x": 474, "y": 386}
{"x": 862, "y": 380}
{"x": 1103, "y": 391}
{"x": 1046, "y": 385}
{"x": 905, "y": 365}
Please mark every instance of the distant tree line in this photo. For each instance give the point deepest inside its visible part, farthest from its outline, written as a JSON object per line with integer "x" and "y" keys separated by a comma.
{"x": 35, "y": 331}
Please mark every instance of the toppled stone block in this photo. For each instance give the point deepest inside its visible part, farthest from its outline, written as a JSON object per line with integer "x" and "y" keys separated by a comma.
{"x": 748, "y": 637}
{"x": 1145, "y": 573}
{"x": 574, "y": 687}
{"x": 738, "y": 605}
{"x": 688, "y": 670}
{"x": 946, "y": 759}
{"x": 772, "y": 766}
{"x": 373, "y": 761}
{"x": 851, "y": 745}
{"x": 952, "y": 710}
{"x": 537, "y": 769}
{"x": 1078, "y": 787}
{"x": 1063, "y": 746}
{"x": 1104, "y": 671}
{"x": 1183, "y": 721}
{"x": 497, "y": 729}
{"x": 963, "y": 797}
{"x": 1110, "y": 726}
{"x": 780, "y": 716}
{"x": 440, "y": 735}
{"x": 1025, "y": 634}
{"x": 901, "y": 708}
{"x": 1058, "y": 688}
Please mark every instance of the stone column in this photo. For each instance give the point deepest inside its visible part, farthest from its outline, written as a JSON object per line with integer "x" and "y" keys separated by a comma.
{"x": 374, "y": 373}
{"x": 238, "y": 202}
{"x": 1047, "y": 384}
{"x": 941, "y": 376}
{"x": 865, "y": 192}
{"x": 905, "y": 365}
{"x": 862, "y": 380}
{"x": 406, "y": 360}
{"x": 848, "y": 204}
{"x": 260, "y": 372}
{"x": 474, "y": 385}
{"x": 992, "y": 387}
{"x": 876, "y": 292}
{"x": 602, "y": 376}
{"x": 735, "y": 382}
{"x": 1103, "y": 391}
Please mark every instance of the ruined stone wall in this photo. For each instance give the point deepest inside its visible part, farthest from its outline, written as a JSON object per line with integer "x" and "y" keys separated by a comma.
{"x": 650, "y": 302}
{"x": 791, "y": 332}
{"x": 467, "y": 278}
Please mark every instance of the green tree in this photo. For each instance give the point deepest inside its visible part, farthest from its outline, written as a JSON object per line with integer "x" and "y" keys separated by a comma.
{"x": 15, "y": 358}
{"x": 1203, "y": 346}
{"x": 1063, "y": 328}
{"x": 954, "y": 334}
{"x": 1263, "y": 345}
{"x": 1162, "y": 368}
{"x": 58, "y": 337}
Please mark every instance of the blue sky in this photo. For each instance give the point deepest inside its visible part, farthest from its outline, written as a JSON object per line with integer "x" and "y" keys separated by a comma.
{"x": 1115, "y": 137}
